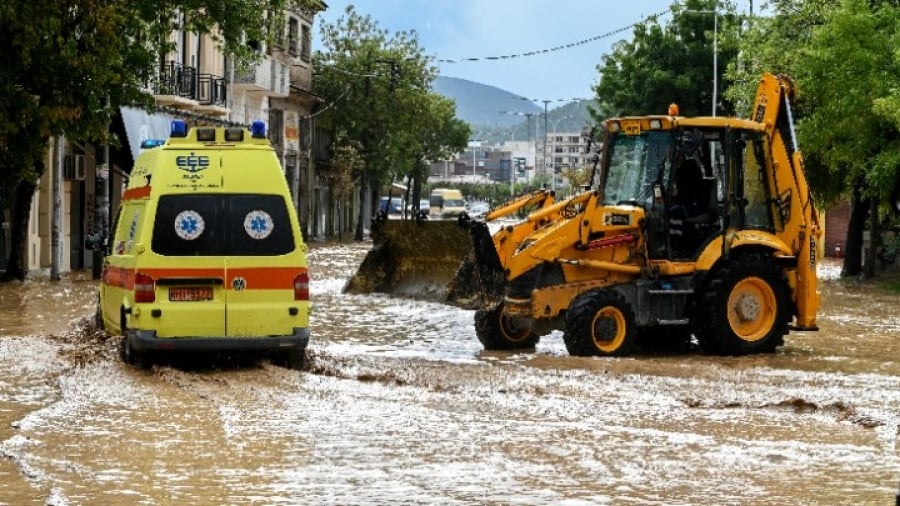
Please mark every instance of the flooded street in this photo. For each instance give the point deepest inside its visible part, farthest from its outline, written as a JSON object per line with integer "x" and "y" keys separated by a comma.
{"x": 402, "y": 406}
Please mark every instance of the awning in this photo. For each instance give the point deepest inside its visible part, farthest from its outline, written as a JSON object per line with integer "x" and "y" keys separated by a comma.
{"x": 140, "y": 126}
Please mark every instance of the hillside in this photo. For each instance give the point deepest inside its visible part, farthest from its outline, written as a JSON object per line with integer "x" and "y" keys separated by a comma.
{"x": 481, "y": 105}
{"x": 497, "y": 115}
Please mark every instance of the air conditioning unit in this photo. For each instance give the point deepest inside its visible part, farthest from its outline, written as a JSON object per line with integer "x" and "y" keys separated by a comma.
{"x": 73, "y": 167}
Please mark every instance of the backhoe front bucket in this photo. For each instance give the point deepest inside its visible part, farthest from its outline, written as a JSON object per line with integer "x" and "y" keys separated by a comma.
{"x": 411, "y": 258}
{"x": 480, "y": 280}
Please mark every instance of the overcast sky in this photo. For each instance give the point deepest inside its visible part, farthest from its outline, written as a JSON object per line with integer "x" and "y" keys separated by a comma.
{"x": 456, "y": 29}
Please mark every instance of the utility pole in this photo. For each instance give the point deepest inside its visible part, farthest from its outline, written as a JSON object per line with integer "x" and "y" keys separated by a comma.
{"x": 544, "y": 156}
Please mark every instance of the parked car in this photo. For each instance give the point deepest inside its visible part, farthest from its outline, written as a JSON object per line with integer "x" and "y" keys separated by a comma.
{"x": 478, "y": 210}
{"x": 395, "y": 208}
{"x": 424, "y": 207}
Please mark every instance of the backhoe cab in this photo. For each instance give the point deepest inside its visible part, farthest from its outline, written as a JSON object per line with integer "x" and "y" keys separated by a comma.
{"x": 700, "y": 226}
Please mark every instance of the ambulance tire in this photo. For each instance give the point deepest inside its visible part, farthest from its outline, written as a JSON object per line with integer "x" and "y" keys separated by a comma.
{"x": 98, "y": 317}
{"x": 135, "y": 358}
{"x": 294, "y": 359}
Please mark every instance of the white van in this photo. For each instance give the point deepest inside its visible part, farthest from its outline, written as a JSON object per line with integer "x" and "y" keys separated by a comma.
{"x": 446, "y": 203}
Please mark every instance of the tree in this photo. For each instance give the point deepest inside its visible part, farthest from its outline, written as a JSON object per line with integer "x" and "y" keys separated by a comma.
{"x": 428, "y": 131}
{"x": 346, "y": 166}
{"x": 378, "y": 87}
{"x": 669, "y": 63}
{"x": 67, "y": 66}
{"x": 842, "y": 57}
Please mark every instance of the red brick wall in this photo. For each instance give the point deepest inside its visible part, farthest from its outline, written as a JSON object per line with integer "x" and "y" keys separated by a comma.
{"x": 837, "y": 216}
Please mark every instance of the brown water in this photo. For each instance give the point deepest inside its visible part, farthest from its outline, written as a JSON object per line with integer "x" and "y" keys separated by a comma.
{"x": 401, "y": 406}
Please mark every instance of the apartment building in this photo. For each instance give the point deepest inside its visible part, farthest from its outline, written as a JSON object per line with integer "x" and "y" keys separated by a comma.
{"x": 195, "y": 82}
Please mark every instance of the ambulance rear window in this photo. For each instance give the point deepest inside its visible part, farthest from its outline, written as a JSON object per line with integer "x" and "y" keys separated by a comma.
{"x": 222, "y": 225}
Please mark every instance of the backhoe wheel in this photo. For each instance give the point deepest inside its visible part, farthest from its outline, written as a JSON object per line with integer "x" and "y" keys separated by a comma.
{"x": 600, "y": 322}
{"x": 744, "y": 309}
{"x": 499, "y": 332}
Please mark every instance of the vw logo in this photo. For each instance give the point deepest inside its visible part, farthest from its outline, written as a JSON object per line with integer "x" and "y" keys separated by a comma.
{"x": 238, "y": 284}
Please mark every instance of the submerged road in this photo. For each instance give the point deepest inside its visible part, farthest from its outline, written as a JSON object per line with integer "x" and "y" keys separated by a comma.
{"x": 400, "y": 405}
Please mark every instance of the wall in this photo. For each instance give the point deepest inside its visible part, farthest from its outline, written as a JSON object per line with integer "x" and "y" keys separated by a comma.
{"x": 836, "y": 220}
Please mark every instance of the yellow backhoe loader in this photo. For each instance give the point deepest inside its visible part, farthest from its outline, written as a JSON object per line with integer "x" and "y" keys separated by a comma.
{"x": 700, "y": 226}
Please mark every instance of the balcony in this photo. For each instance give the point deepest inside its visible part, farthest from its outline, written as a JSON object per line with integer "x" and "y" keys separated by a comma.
{"x": 269, "y": 76}
{"x": 211, "y": 94}
{"x": 176, "y": 85}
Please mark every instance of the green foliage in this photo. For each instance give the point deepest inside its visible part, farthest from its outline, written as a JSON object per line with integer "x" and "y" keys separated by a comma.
{"x": 846, "y": 68}
{"x": 669, "y": 63}
{"x": 67, "y": 66}
{"x": 378, "y": 86}
{"x": 347, "y": 164}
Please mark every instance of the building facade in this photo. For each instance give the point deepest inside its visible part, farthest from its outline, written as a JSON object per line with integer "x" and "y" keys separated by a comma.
{"x": 198, "y": 83}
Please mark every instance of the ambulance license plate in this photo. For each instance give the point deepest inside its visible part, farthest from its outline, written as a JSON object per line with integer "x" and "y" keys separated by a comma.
{"x": 190, "y": 293}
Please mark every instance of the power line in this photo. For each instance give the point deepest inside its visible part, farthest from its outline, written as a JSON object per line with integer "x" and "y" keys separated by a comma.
{"x": 552, "y": 49}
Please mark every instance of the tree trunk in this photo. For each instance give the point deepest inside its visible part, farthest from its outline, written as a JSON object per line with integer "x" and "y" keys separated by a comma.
{"x": 362, "y": 208}
{"x": 859, "y": 209}
{"x": 18, "y": 240}
{"x": 871, "y": 253}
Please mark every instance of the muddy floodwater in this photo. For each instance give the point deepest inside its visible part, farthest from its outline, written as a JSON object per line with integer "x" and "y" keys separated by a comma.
{"x": 400, "y": 405}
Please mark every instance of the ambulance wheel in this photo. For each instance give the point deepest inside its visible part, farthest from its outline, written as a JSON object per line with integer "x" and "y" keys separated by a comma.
{"x": 744, "y": 309}
{"x": 600, "y": 323}
{"x": 294, "y": 358}
{"x": 135, "y": 358}
{"x": 98, "y": 316}
{"x": 497, "y": 331}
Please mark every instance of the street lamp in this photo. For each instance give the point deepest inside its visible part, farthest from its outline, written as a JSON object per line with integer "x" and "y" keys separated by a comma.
{"x": 473, "y": 143}
{"x": 715, "y": 14}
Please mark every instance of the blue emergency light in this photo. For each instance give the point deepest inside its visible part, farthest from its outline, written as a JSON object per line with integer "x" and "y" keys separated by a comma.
{"x": 152, "y": 143}
{"x": 258, "y": 130}
{"x": 179, "y": 128}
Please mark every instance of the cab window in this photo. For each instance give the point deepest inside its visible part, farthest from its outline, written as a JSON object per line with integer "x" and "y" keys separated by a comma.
{"x": 222, "y": 224}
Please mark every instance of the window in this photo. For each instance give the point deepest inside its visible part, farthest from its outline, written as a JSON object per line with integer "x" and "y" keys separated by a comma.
{"x": 222, "y": 224}
{"x": 292, "y": 40}
{"x": 306, "y": 43}
{"x": 756, "y": 209}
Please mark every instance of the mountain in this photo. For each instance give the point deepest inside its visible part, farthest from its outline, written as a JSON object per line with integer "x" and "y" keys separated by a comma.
{"x": 482, "y": 105}
{"x": 496, "y": 115}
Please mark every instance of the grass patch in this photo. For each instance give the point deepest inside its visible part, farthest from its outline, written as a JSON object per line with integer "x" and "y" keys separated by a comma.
{"x": 892, "y": 285}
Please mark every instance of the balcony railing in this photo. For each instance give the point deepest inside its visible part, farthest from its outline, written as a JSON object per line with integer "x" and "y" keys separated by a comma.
{"x": 211, "y": 90}
{"x": 177, "y": 79}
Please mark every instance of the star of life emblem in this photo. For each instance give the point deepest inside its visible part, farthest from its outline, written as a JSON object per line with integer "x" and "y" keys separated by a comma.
{"x": 258, "y": 224}
{"x": 189, "y": 225}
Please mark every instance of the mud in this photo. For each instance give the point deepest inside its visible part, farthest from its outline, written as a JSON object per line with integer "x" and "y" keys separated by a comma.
{"x": 400, "y": 405}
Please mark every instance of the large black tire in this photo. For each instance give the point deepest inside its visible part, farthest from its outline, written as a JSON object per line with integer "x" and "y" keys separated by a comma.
{"x": 744, "y": 308}
{"x": 600, "y": 323}
{"x": 499, "y": 332}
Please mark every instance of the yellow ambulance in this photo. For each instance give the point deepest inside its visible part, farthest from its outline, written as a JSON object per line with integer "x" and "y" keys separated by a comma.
{"x": 207, "y": 253}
